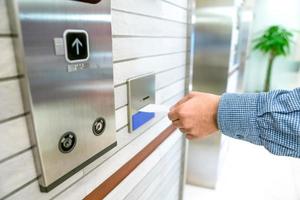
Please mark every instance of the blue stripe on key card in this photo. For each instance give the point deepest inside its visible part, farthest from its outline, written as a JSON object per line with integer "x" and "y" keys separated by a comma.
{"x": 141, "y": 118}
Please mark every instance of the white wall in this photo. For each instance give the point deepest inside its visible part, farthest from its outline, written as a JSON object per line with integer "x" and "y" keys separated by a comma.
{"x": 267, "y": 13}
{"x": 148, "y": 35}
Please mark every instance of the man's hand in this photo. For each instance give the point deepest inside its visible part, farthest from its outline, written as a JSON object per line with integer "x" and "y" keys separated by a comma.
{"x": 196, "y": 114}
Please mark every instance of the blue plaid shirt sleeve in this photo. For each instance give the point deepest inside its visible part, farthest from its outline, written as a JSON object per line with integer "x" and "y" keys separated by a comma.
{"x": 268, "y": 119}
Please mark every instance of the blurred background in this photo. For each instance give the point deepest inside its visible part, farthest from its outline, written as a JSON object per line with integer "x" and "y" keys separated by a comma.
{"x": 224, "y": 32}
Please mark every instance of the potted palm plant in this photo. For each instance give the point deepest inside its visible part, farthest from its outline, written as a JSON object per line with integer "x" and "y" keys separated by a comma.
{"x": 274, "y": 42}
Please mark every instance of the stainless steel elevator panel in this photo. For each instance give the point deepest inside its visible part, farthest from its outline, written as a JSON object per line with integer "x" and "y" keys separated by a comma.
{"x": 211, "y": 37}
{"x": 212, "y": 43}
{"x": 67, "y": 56}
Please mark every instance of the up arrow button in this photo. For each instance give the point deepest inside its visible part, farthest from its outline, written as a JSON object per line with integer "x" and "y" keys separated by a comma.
{"x": 76, "y": 46}
{"x": 77, "y": 43}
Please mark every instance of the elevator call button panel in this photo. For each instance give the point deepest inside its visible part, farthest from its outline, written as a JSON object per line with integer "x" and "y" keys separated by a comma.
{"x": 72, "y": 112}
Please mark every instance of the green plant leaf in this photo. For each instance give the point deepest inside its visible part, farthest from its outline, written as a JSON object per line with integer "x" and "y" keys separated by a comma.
{"x": 275, "y": 41}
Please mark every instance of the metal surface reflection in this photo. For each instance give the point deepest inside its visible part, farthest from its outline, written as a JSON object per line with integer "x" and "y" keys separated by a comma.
{"x": 66, "y": 103}
{"x": 211, "y": 38}
{"x": 70, "y": 17}
{"x": 212, "y": 32}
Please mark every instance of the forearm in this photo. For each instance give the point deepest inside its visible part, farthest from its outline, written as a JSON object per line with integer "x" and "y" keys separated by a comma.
{"x": 268, "y": 119}
{"x": 237, "y": 117}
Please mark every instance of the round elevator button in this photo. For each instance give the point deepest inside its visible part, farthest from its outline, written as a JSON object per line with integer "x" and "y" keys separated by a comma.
{"x": 67, "y": 142}
{"x": 99, "y": 126}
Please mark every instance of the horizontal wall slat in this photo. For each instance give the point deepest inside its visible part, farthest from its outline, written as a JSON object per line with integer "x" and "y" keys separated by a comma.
{"x": 154, "y": 189}
{"x": 129, "y": 48}
{"x": 152, "y": 180}
{"x": 155, "y": 8}
{"x": 181, "y": 3}
{"x": 129, "y": 69}
{"x": 173, "y": 192}
{"x": 168, "y": 77}
{"x": 155, "y": 186}
{"x": 14, "y": 137}
{"x": 16, "y": 172}
{"x": 11, "y": 99}
{"x": 32, "y": 190}
{"x": 172, "y": 101}
{"x": 4, "y": 22}
{"x": 173, "y": 186}
{"x": 163, "y": 175}
{"x": 8, "y": 66}
{"x": 141, "y": 171}
{"x": 165, "y": 185}
{"x": 166, "y": 163}
{"x": 137, "y": 25}
{"x": 163, "y": 94}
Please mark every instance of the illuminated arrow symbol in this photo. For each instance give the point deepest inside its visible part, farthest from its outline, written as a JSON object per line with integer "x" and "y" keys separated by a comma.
{"x": 77, "y": 43}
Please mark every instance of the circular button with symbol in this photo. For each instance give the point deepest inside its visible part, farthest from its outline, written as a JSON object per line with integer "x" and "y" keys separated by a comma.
{"x": 67, "y": 142}
{"x": 99, "y": 126}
